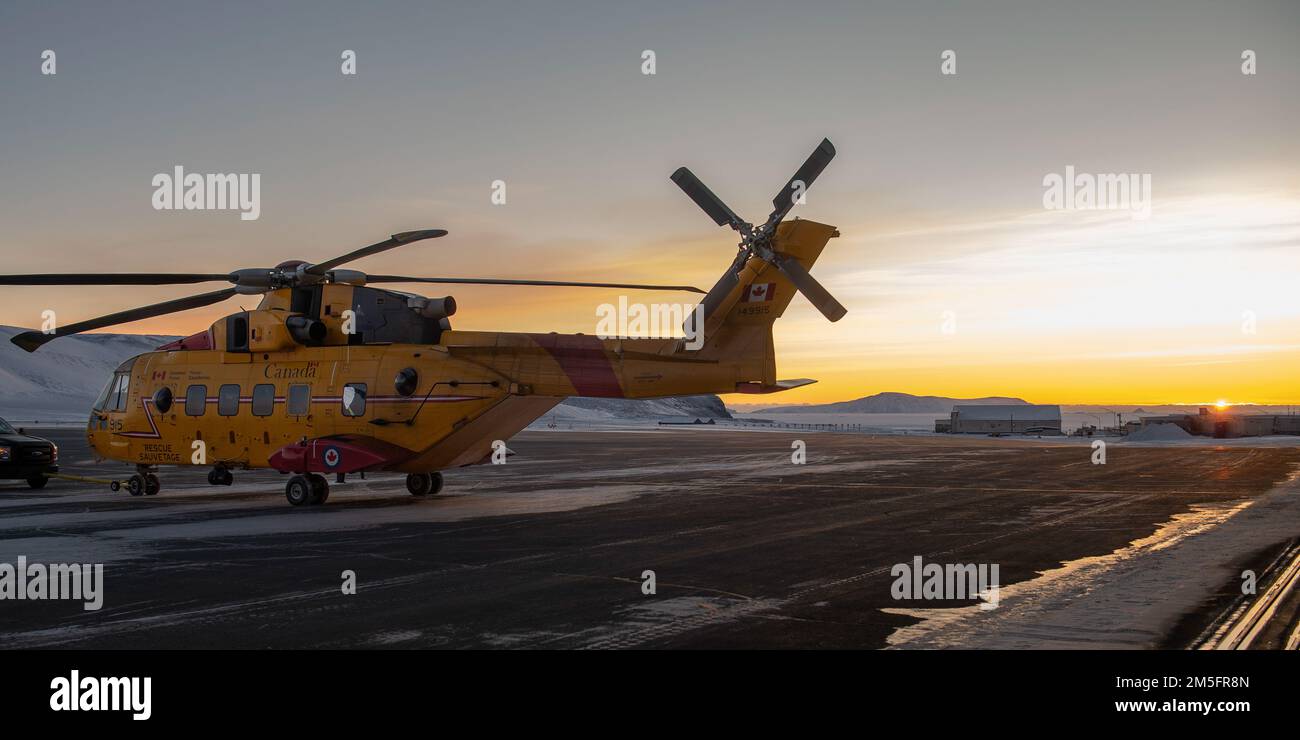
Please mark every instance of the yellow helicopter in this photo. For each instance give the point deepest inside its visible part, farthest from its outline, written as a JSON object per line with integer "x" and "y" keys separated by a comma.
{"x": 331, "y": 375}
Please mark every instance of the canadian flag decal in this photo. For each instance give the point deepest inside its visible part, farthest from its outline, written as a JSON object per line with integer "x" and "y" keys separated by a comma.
{"x": 759, "y": 292}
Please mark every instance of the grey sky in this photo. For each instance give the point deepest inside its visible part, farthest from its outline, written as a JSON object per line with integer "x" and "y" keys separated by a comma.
{"x": 548, "y": 96}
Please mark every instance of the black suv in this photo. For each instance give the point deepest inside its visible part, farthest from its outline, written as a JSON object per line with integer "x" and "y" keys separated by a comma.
{"x": 23, "y": 457}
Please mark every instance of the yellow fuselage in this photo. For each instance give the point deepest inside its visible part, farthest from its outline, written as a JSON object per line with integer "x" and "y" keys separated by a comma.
{"x": 238, "y": 408}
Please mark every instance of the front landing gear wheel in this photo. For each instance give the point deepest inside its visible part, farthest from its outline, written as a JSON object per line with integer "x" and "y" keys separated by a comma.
{"x": 37, "y": 481}
{"x": 152, "y": 485}
{"x": 424, "y": 484}
{"x": 298, "y": 490}
{"x": 320, "y": 489}
{"x": 135, "y": 485}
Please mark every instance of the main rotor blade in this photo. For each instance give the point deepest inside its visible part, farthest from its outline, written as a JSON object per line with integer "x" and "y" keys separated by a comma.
{"x": 121, "y": 278}
{"x": 396, "y": 240}
{"x": 705, "y": 199}
{"x": 32, "y": 340}
{"x": 806, "y": 174}
{"x": 550, "y": 283}
{"x": 811, "y": 289}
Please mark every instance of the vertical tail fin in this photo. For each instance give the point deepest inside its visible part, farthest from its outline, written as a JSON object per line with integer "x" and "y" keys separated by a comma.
{"x": 741, "y": 307}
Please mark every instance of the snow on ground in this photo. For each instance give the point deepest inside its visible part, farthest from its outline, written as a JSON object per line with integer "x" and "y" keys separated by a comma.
{"x": 873, "y": 423}
{"x": 1159, "y": 433}
{"x": 1127, "y": 599}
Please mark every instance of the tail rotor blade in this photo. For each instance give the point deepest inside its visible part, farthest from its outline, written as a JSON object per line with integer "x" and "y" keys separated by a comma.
{"x": 806, "y": 174}
{"x": 812, "y": 290}
{"x": 705, "y": 199}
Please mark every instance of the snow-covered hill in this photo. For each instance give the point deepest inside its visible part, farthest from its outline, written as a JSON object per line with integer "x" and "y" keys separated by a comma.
{"x": 893, "y": 403}
{"x": 620, "y": 409}
{"x": 59, "y": 382}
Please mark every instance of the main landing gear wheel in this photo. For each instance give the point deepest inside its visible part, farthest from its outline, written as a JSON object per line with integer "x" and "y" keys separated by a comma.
{"x": 135, "y": 485}
{"x": 424, "y": 484}
{"x": 320, "y": 489}
{"x": 307, "y": 490}
{"x": 152, "y": 485}
{"x": 298, "y": 490}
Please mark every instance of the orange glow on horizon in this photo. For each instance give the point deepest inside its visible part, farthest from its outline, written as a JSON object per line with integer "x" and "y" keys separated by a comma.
{"x": 1108, "y": 313}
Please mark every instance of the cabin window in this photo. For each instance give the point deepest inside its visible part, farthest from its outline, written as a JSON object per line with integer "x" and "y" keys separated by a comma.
{"x": 196, "y": 400}
{"x": 263, "y": 400}
{"x": 228, "y": 400}
{"x": 299, "y": 400}
{"x": 354, "y": 399}
{"x": 162, "y": 399}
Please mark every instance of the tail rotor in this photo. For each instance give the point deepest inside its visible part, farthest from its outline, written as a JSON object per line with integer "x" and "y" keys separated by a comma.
{"x": 757, "y": 242}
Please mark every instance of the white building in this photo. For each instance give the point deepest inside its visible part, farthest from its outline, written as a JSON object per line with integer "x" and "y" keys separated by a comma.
{"x": 1006, "y": 419}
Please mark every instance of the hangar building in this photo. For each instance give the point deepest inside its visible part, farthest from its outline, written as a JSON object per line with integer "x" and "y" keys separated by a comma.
{"x": 1004, "y": 419}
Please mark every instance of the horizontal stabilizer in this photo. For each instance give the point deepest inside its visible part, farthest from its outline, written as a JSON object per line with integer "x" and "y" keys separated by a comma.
{"x": 780, "y": 385}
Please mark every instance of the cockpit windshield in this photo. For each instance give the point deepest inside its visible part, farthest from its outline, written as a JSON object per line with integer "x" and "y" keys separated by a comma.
{"x": 5, "y": 428}
{"x": 103, "y": 395}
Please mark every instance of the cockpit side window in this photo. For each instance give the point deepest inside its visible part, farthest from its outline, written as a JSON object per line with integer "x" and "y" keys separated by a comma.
{"x": 123, "y": 390}
{"x": 115, "y": 393}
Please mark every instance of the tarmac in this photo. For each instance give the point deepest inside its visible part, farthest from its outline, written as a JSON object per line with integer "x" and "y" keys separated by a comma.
{"x": 555, "y": 548}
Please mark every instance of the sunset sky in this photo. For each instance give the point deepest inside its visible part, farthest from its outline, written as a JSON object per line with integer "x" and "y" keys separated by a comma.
{"x": 937, "y": 188}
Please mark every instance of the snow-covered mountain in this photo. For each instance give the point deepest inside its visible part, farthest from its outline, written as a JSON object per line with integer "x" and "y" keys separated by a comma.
{"x": 621, "y": 409}
{"x": 59, "y": 382}
{"x": 893, "y": 403}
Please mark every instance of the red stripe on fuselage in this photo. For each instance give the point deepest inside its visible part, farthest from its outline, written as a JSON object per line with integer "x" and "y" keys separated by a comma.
{"x": 585, "y": 361}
